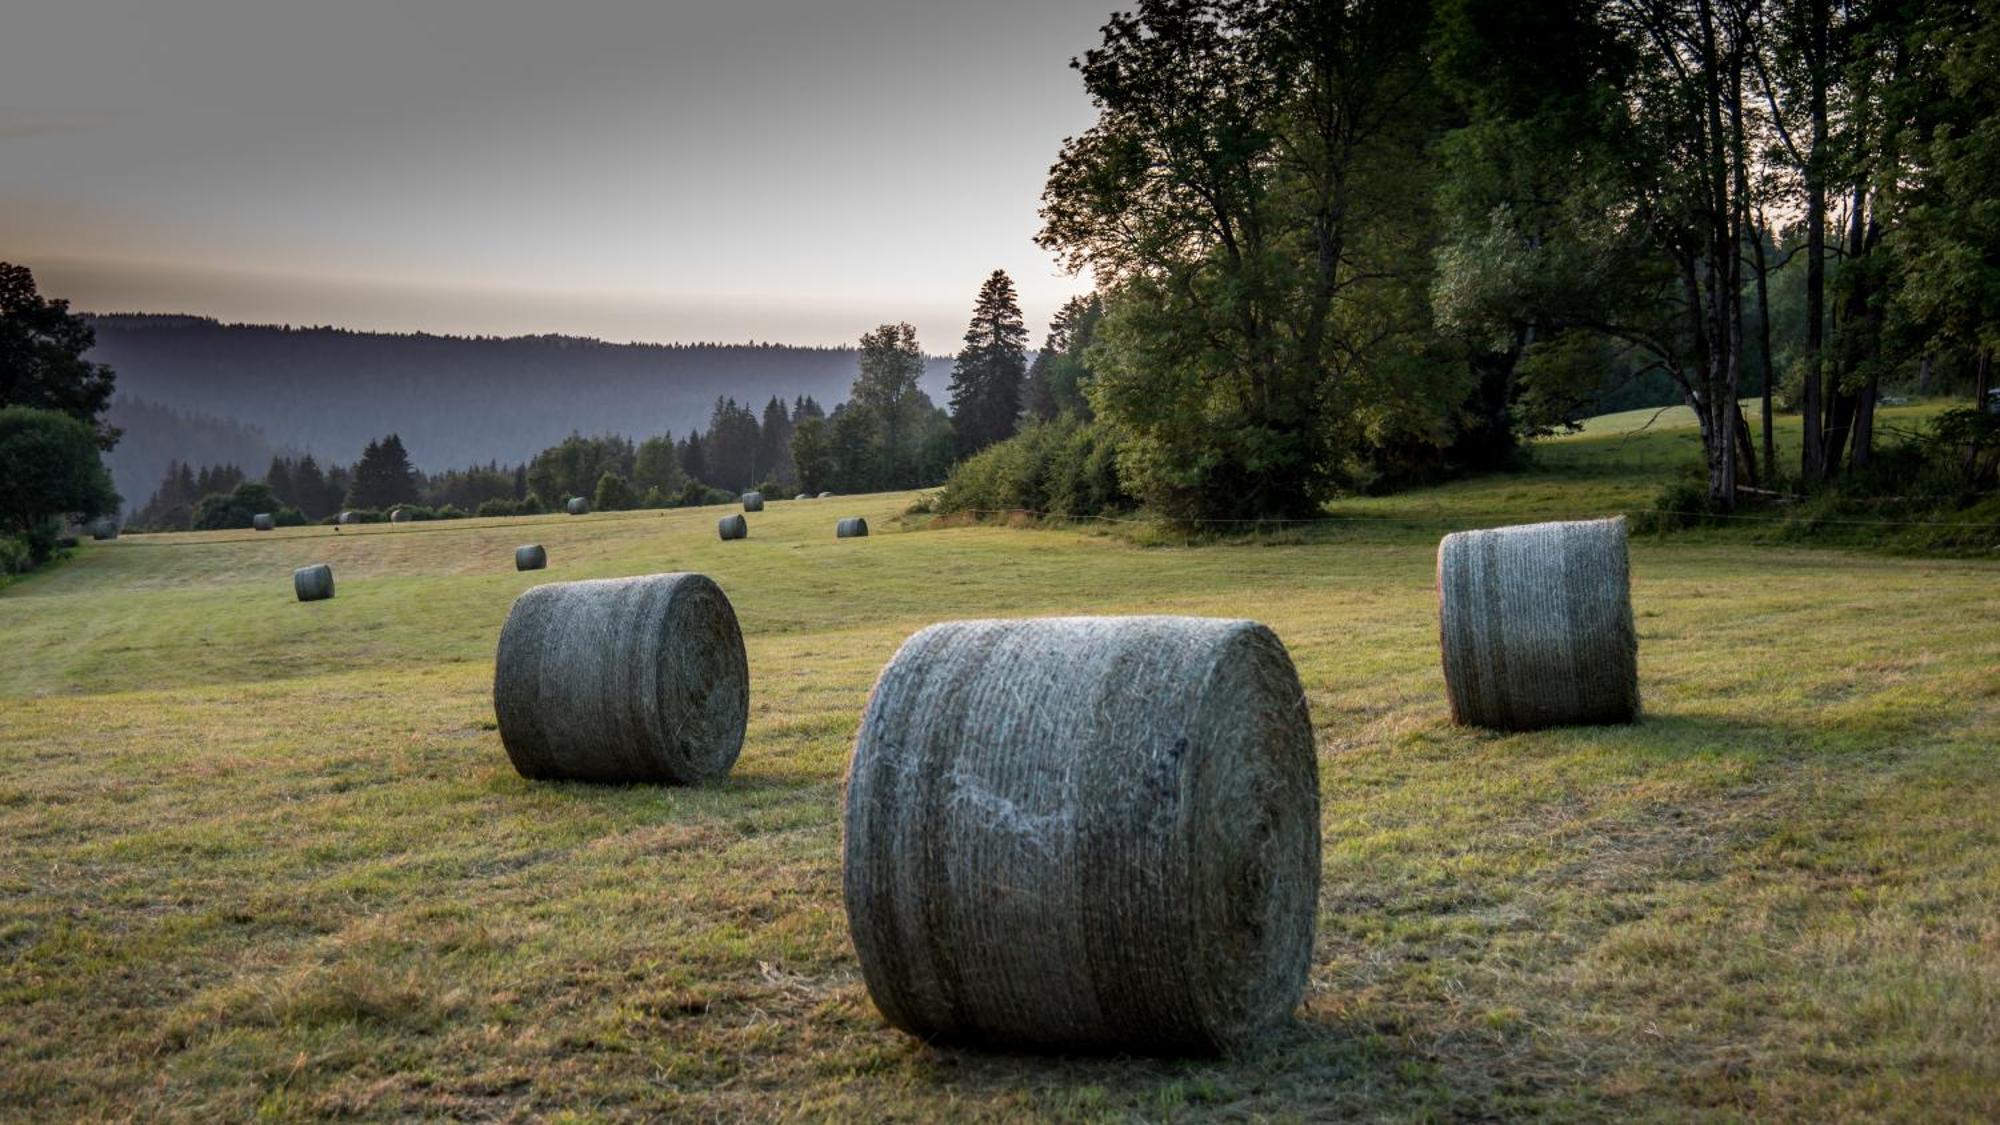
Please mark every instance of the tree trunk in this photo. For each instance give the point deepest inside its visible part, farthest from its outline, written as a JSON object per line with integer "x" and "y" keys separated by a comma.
{"x": 1812, "y": 463}
{"x": 1764, "y": 345}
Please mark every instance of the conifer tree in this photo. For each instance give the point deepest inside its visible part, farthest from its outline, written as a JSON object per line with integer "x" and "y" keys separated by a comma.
{"x": 986, "y": 381}
{"x": 383, "y": 478}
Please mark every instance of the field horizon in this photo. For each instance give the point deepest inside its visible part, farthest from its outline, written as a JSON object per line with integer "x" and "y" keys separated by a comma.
{"x": 268, "y": 858}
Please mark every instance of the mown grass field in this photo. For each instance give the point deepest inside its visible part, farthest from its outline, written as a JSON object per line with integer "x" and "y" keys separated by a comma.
{"x": 260, "y": 857}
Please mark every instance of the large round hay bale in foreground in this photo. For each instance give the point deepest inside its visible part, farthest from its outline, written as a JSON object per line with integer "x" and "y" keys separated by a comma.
{"x": 399, "y": 516}
{"x": 853, "y": 527}
{"x": 753, "y": 501}
{"x": 530, "y": 556}
{"x": 313, "y": 583}
{"x": 623, "y": 680}
{"x": 1085, "y": 833}
{"x": 733, "y": 527}
{"x": 1535, "y": 623}
{"x": 262, "y": 521}
{"x": 577, "y": 506}
{"x": 103, "y": 529}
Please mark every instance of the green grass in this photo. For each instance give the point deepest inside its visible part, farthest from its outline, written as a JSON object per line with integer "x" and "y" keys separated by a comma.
{"x": 260, "y": 857}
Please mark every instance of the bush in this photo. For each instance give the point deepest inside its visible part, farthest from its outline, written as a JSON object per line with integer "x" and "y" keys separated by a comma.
{"x": 530, "y": 505}
{"x": 613, "y": 494}
{"x": 49, "y": 468}
{"x": 236, "y": 509}
{"x": 14, "y": 555}
{"x": 1064, "y": 467}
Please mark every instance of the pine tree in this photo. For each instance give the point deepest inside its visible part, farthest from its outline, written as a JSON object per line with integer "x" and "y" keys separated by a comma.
{"x": 694, "y": 459}
{"x": 774, "y": 448}
{"x": 383, "y": 478}
{"x": 279, "y": 478}
{"x": 308, "y": 490}
{"x": 986, "y": 381}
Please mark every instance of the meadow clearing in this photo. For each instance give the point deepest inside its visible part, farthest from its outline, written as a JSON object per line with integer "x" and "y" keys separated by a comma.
{"x": 259, "y": 857}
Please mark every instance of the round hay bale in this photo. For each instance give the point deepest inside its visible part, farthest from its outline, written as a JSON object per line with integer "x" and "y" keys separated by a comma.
{"x": 803, "y": 496}
{"x": 753, "y": 501}
{"x": 313, "y": 583}
{"x": 530, "y": 556}
{"x": 623, "y": 679}
{"x": 733, "y": 527}
{"x": 1085, "y": 833}
{"x": 853, "y": 527}
{"x": 262, "y": 521}
{"x": 1535, "y": 625}
{"x": 399, "y": 516}
{"x": 577, "y": 506}
{"x": 103, "y": 529}
{"x": 825, "y": 495}
{"x": 347, "y": 517}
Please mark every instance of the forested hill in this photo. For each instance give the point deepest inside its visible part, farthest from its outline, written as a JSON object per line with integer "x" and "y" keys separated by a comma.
{"x": 455, "y": 400}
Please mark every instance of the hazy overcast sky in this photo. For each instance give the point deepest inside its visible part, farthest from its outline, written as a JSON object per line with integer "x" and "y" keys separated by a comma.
{"x": 790, "y": 170}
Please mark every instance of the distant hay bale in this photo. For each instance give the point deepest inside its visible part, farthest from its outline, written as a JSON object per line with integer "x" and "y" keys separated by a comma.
{"x": 399, "y": 516}
{"x": 262, "y": 521}
{"x": 346, "y": 517}
{"x": 1085, "y": 833}
{"x": 753, "y": 501}
{"x": 313, "y": 583}
{"x": 623, "y": 680}
{"x": 826, "y": 495}
{"x": 853, "y": 527}
{"x": 733, "y": 527}
{"x": 803, "y": 496}
{"x": 103, "y": 529}
{"x": 530, "y": 556}
{"x": 1535, "y": 624}
{"x": 577, "y": 506}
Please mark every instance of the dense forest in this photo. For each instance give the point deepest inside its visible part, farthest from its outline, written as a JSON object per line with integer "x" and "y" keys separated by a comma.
{"x": 455, "y": 400}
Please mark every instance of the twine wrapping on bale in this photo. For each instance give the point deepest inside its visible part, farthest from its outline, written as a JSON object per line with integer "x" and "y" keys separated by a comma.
{"x": 1535, "y": 624}
{"x": 577, "y": 506}
{"x": 1085, "y": 833}
{"x": 399, "y": 516}
{"x": 623, "y": 680}
{"x": 530, "y": 557}
{"x": 102, "y": 529}
{"x": 313, "y": 583}
{"x": 753, "y": 501}
{"x": 262, "y": 521}
{"x": 732, "y": 527}
{"x": 853, "y": 527}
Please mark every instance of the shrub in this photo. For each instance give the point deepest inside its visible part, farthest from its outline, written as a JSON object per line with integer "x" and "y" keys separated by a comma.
{"x": 614, "y": 494}
{"x": 1064, "y": 467}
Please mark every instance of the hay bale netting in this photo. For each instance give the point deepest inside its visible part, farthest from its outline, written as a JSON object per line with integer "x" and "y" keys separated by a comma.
{"x": 733, "y": 527}
{"x": 262, "y": 521}
{"x": 853, "y": 527}
{"x": 753, "y": 501}
{"x": 313, "y": 583}
{"x": 577, "y": 506}
{"x": 1085, "y": 833}
{"x": 102, "y": 529}
{"x": 399, "y": 516}
{"x": 623, "y": 679}
{"x": 530, "y": 556}
{"x": 1535, "y": 623}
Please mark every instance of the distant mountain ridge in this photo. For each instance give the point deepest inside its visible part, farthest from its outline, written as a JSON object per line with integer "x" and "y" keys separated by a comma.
{"x": 455, "y": 400}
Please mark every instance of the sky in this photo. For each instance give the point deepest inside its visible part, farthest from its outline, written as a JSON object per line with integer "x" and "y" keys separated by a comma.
{"x": 795, "y": 171}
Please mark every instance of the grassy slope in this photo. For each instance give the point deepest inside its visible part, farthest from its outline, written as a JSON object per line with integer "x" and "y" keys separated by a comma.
{"x": 264, "y": 856}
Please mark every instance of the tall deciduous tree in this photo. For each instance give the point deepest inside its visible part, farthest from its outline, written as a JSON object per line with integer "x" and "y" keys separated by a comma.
{"x": 42, "y": 345}
{"x": 986, "y": 380}
{"x": 886, "y": 393}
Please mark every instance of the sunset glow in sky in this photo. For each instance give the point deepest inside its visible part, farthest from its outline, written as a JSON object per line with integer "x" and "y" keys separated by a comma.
{"x": 783, "y": 170}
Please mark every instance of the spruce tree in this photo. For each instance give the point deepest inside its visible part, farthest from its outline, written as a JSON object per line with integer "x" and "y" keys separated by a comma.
{"x": 986, "y": 381}
{"x": 383, "y": 478}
